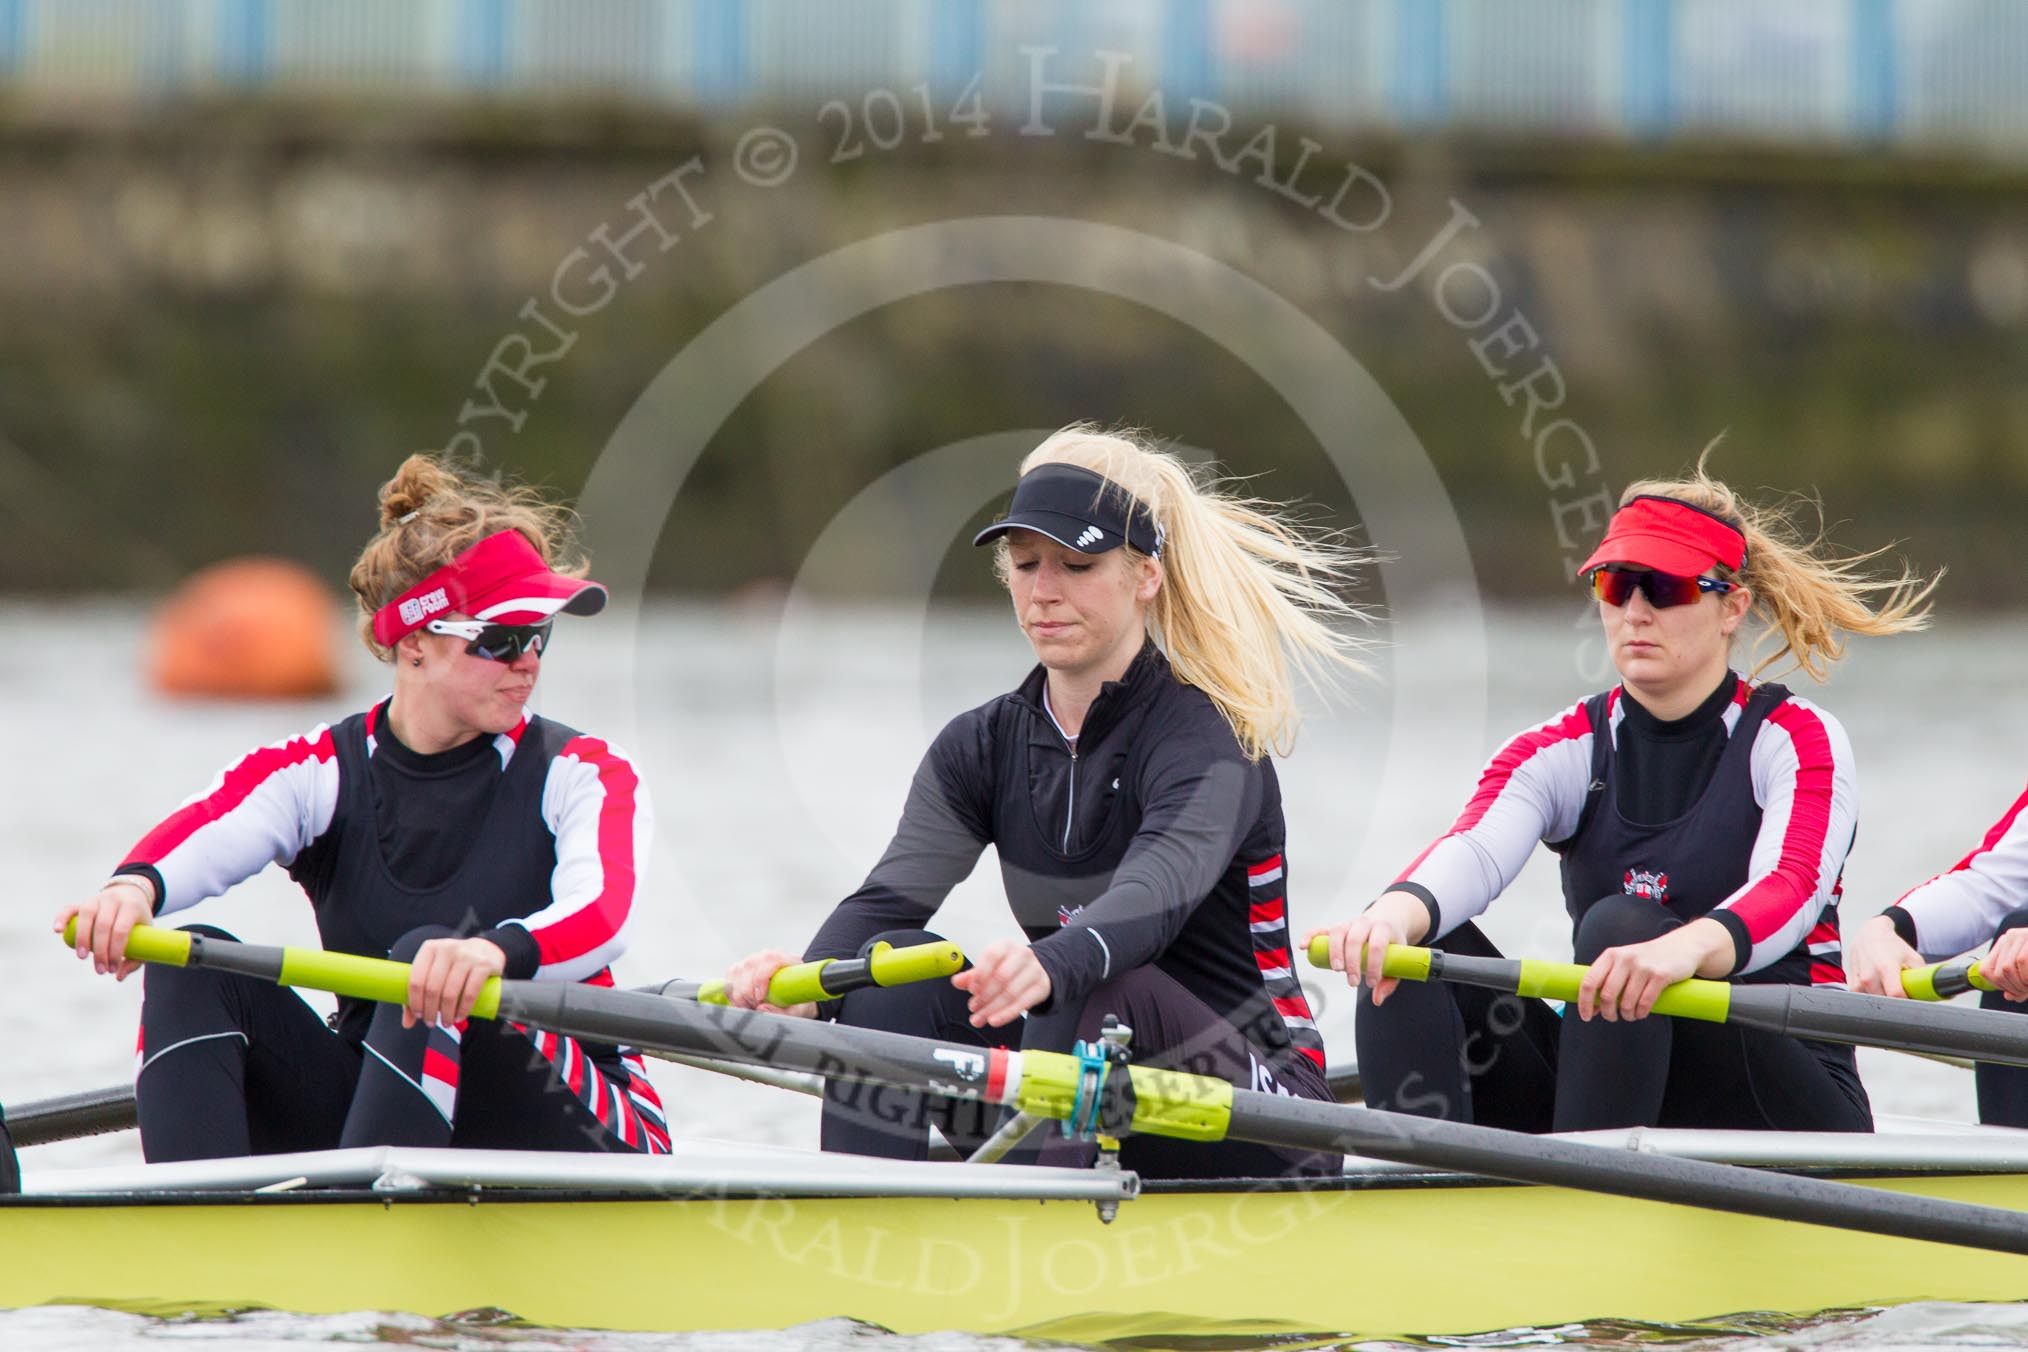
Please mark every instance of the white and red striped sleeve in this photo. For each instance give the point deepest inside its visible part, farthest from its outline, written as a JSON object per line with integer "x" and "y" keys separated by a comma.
{"x": 1963, "y": 908}
{"x": 597, "y": 808}
{"x": 1809, "y": 801}
{"x": 1531, "y": 791}
{"x": 263, "y": 809}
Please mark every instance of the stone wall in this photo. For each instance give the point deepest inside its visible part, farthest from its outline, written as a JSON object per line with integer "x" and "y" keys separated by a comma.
{"x": 222, "y": 327}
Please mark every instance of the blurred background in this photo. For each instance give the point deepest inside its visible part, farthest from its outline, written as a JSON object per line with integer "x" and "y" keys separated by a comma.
{"x": 252, "y": 252}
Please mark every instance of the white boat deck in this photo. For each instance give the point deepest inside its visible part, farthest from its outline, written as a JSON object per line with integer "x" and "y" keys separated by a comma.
{"x": 718, "y": 1168}
{"x": 709, "y": 1168}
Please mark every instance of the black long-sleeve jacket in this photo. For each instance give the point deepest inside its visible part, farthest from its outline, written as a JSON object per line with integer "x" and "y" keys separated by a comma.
{"x": 1151, "y": 839}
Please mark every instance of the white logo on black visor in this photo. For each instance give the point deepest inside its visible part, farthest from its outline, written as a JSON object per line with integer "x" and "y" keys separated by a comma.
{"x": 1091, "y": 536}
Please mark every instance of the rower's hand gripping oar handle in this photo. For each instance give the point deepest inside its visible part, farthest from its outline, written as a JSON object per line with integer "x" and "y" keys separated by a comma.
{"x": 387, "y": 981}
{"x": 1170, "y": 1103}
{"x": 1692, "y": 999}
{"x": 378, "y": 979}
{"x": 1191, "y": 1107}
{"x": 147, "y": 943}
{"x": 1165, "y": 1102}
{"x": 1942, "y": 980}
{"x": 829, "y": 978}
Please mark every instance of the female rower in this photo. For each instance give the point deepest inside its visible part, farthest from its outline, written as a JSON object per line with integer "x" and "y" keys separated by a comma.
{"x": 1702, "y": 821}
{"x": 1126, "y": 787}
{"x": 446, "y": 827}
{"x": 1983, "y": 897}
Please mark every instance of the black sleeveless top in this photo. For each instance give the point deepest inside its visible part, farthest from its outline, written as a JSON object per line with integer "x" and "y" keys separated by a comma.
{"x": 1687, "y": 864}
{"x": 504, "y": 874}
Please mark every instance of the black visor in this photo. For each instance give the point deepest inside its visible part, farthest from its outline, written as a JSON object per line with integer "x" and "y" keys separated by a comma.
{"x": 1079, "y": 510}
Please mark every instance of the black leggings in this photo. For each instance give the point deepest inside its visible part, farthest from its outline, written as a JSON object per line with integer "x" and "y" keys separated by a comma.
{"x": 1468, "y": 1055}
{"x": 2003, "y": 1090}
{"x": 1172, "y": 1029}
{"x": 235, "y": 1066}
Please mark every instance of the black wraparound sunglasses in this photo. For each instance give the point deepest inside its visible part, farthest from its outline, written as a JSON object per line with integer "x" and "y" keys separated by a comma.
{"x": 496, "y": 642}
{"x": 1615, "y": 586}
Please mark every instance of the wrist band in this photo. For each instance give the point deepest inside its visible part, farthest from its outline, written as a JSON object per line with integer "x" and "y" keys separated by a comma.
{"x": 134, "y": 880}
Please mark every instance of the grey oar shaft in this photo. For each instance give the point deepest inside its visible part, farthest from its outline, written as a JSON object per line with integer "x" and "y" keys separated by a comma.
{"x": 90, "y": 1113}
{"x": 261, "y": 961}
{"x": 1881, "y": 1021}
{"x": 747, "y": 1036}
{"x": 791, "y": 1080}
{"x": 1464, "y": 1148}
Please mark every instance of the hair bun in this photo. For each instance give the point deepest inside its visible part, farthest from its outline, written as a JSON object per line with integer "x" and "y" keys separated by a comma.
{"x": 420, "y": 478}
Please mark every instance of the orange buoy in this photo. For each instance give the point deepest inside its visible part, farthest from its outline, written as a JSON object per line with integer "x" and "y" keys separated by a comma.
{"x": 256, "y": 628}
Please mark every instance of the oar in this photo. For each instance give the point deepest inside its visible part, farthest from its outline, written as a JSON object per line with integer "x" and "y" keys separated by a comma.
{"x": 1147, "y": 1100}
{"x": 829, "y": 978}
{"x": 97, "y": 1111}
{"x": 1800, "y": 1011}
{"x": 91, "y": 1113}
{"x": 1942, "y": 980}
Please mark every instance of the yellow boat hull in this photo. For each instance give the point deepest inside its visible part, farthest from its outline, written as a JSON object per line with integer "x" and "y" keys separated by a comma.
{"x": 1405, "y": 1256}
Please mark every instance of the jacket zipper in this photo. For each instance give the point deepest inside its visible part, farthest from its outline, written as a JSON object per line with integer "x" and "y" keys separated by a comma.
{"x": 1070, "y": 812}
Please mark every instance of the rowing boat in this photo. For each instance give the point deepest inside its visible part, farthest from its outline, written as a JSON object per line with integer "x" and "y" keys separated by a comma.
{"x": 738, "y": 1237}
{"x": 1659, "y": 1226}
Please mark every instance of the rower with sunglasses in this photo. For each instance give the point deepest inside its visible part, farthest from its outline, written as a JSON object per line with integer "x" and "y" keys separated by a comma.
{"x": 1702, "y": 821}
{"x": 448, "y": 827}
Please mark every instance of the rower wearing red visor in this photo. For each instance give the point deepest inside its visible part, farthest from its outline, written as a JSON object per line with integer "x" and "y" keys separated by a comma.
{"x": 448, "y": 827}
{"x": 1702, "y": 820}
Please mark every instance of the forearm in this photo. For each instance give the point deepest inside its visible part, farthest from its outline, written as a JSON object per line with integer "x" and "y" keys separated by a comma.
{"x": 867, "y": 912}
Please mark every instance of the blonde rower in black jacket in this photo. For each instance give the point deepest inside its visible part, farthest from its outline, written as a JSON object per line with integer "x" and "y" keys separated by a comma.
{"x": 1127, "y": 789}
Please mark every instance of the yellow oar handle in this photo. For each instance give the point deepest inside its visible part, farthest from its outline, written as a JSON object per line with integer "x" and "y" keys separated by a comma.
{"x": 1401, "y": 960}
{"x": 378, "y": 979}
{"x": 829, "y": 978}
{"x": 147, "y": 943}
{"x": 919, "y": 962}
{"x": 1942, "y": 980}
{"x": 1691, "y": 999}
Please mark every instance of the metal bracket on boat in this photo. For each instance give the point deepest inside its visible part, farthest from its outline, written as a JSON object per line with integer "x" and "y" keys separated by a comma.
{"x": 1104, "y": 1103}
{"x": 399, "y": 1180}
{"x": 1102, "y": 1108}
{"x": 1012, "y": 1132}
{"x": 1114, "y": 1106}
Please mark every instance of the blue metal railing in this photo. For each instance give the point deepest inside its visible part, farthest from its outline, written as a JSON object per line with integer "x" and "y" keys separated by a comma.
{"x": 1891, "y": 73}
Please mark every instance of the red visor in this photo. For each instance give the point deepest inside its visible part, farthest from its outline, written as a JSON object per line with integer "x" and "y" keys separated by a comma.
{"x": 500, "y": 580}
{"x": 1669, "y": 537}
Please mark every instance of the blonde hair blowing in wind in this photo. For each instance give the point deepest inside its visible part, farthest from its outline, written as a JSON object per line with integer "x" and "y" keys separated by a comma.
{"x": 431, "y": 511}
{"x": 1249, "y": 596}
{"x": 1803, "y": 597}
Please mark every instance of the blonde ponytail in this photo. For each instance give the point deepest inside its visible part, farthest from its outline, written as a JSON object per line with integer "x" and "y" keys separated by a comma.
{"x": 1249, "y": 596}
{"x": 1804, "y": 598}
